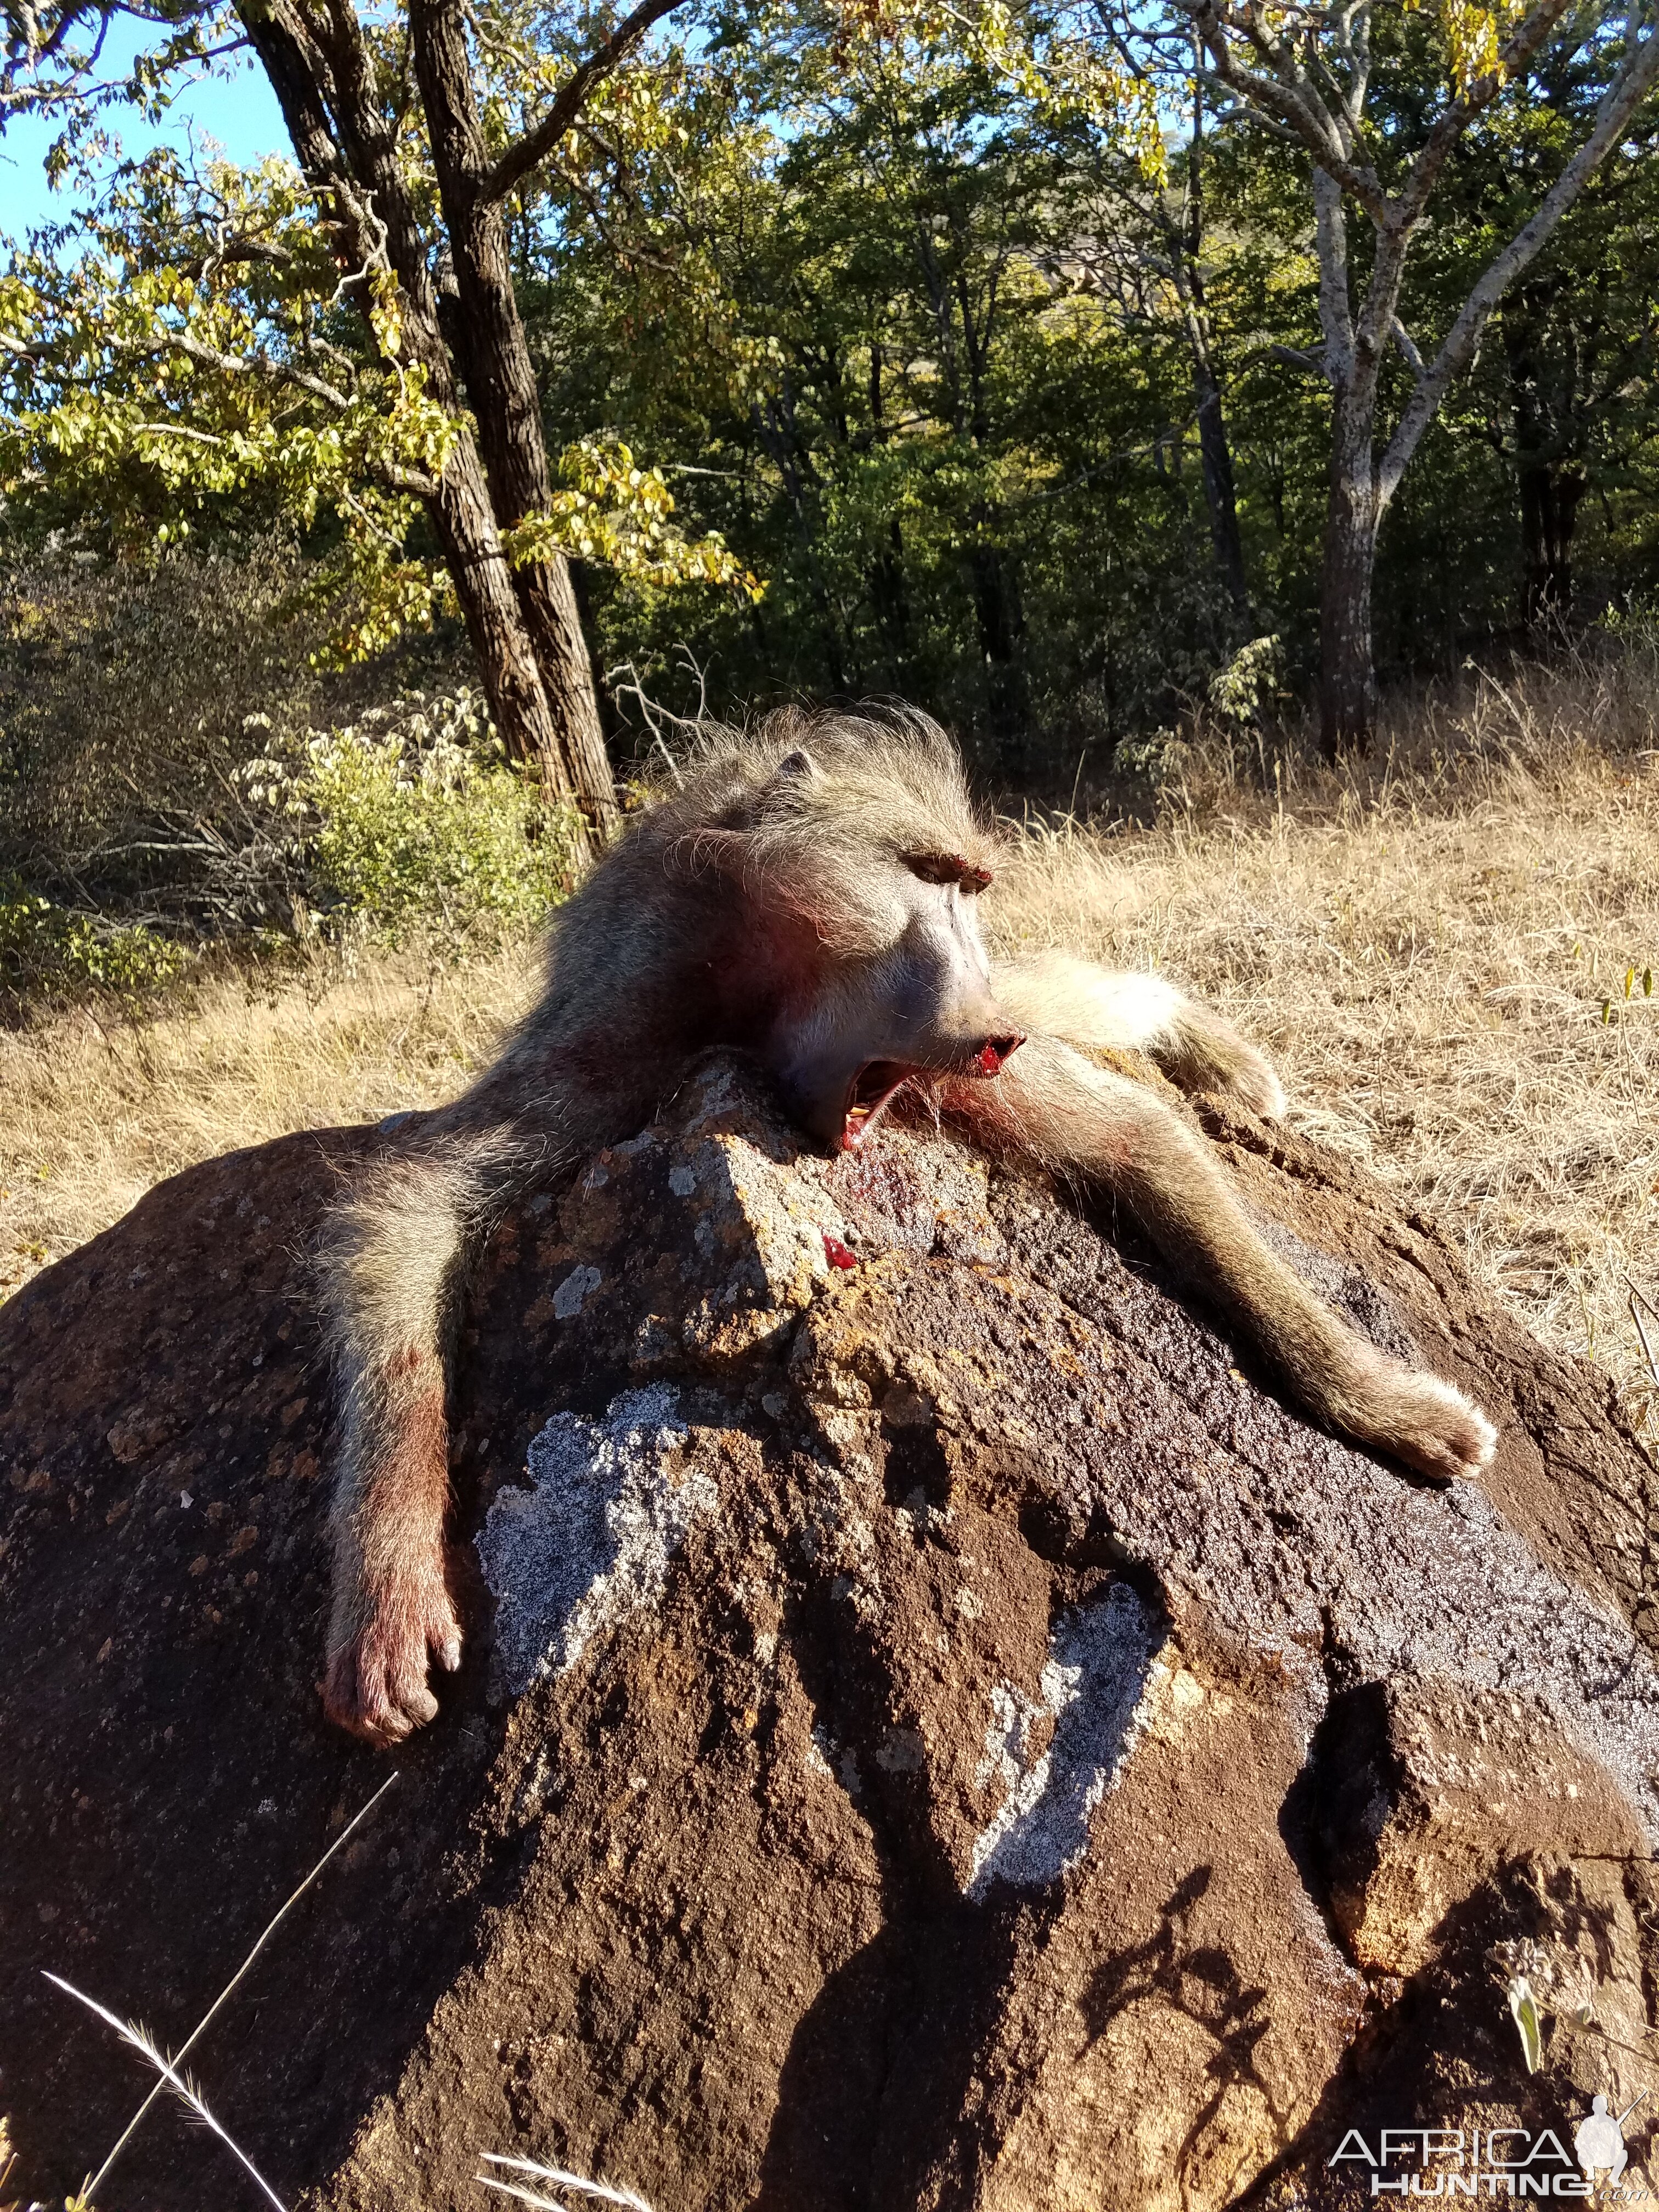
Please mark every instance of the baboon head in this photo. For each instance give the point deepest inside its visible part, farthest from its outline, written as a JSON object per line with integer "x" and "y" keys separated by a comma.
{"x": 920, "y": 1006}
{"x": 860, "y": 860}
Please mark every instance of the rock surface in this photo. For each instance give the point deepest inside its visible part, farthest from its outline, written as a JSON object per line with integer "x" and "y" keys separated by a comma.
{"x": 937, "y": 1730}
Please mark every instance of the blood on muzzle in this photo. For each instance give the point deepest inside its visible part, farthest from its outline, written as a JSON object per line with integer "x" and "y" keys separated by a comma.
{"x": 988, "y": 1060}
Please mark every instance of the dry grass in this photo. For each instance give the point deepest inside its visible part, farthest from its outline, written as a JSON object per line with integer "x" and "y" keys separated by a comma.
{"x": 97, "y": 1109}
{"x": 1437, "y": 953}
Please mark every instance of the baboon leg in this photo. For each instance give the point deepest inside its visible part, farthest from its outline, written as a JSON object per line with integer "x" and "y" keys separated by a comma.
{"x": 1053, "y": 994}
{"x": 394, "y": 1272}
{"x": 1051, "y": 1104}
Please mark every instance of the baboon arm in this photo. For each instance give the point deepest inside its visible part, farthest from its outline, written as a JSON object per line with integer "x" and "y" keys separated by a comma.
{"x": 393, "y": 1274}
{"x": 1051, "y": 1105}
{"x": 1056, "y": 995}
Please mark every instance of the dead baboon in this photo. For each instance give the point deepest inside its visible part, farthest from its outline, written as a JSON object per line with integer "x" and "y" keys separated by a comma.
{"x": 805, "y": 894}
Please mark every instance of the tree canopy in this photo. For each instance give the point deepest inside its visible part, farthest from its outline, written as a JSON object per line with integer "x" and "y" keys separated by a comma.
{"x": 1032, "y": 361}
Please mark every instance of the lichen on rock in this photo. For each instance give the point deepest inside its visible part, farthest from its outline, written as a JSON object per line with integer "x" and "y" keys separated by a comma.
{"x": 1101, "y": 1676}
{"x": 589, "y": 1542}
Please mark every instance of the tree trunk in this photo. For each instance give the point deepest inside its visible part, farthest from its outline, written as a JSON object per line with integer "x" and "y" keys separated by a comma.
{"x": 1347, "y": 680}
{"x": 775, "y": 426}
{"x": 548, "y": 597}
{"x": 891, "y": 601}
{"x": 1215, "y": 455}
{"x": 500, "y": 378}
{"x": 350, "y": 164}
{"x": 1220, "y": 495}
{"x": 501, "y": 384}
{"x": 1549, "y": 482}
{"x": 1550, "y": 491}
{"x": 1186, "y": 248}
{"x": 515, "y": 680}
{"x": 1000, "y": 621}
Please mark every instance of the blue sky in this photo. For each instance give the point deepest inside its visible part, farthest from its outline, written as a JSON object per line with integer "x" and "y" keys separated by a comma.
{"x": 237, "y": 109}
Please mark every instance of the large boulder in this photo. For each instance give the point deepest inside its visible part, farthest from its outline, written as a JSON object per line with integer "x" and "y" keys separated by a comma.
{"x": 937, "y": 1730}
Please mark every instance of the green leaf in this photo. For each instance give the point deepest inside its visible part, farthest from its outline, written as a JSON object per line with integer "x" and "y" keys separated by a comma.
{"x": 1523, "y": 2008}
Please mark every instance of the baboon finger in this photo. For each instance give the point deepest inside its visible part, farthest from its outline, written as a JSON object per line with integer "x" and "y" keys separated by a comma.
{"x": 387, "y": 1728}
{"x": 1206, "y": 1052}
{"x": 1256, "y": 1083}
{"x": 360, "y": 1707}
{"x": 415, "y": 1703}
{"x": 377, "y": 1681}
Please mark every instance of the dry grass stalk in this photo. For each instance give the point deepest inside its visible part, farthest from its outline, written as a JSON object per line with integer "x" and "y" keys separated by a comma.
{"x": 182, "y": 2086}
{"x": 169, "y": 2073}
{"x": 1445, "y": 951}
{"x": 202, "y": 2026}
{"x": 558, "y": 2177}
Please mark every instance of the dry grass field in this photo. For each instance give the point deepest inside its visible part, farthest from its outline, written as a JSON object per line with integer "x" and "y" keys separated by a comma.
{"x": 1451, "y": 956}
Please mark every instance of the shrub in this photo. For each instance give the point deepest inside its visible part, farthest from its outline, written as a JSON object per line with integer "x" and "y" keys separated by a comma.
{"x": 174, "y": 770}
{"x": 51, "y": 951}
{"x": 411, "y": 819}
{"x": 132, "y": 693}
{"x": 122, "y": 688}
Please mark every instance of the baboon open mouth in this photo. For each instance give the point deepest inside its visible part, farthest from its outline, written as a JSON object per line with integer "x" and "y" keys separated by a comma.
{"x": 872, "y": 1090}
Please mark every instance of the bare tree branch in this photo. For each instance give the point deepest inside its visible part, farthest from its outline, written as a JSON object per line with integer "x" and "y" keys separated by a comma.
{"x": 525, "y": 153}
{"x": 1311, "y": 359}
{"x": 231, "y": 364}
{"x": 1336, "y": 312}
{"x": 1407, "y": 345}
{"x": 416, "y": 482}
{"x": 1635, "y": 80}
{"x": 1281, "y": 90}
{"x": 231, "y": 253}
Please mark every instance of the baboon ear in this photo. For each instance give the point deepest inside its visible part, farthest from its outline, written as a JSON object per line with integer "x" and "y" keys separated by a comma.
{"x": 797, "y": 767}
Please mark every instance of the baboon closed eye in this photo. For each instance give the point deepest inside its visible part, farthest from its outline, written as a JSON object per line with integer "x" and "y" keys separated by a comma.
{"x": 948, "y": 868}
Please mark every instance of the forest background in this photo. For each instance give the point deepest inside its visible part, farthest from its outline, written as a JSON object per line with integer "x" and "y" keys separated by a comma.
{"x": 1062, "y": 373}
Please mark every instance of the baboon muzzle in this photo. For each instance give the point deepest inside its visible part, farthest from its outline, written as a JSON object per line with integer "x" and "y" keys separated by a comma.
{"x": 879, "y": 1082}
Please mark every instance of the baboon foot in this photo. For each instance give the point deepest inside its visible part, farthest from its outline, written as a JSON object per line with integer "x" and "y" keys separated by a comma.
{"x": 1431, "y": 1426}
{"x": 377, "y": 1683}
{"x": 1208, "y": 1054}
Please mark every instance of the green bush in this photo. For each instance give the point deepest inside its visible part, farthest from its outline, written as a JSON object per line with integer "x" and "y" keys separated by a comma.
{"x": 411, "y": 820}
{"x": 124, "y": 685}
{"x": 50, "y": 951}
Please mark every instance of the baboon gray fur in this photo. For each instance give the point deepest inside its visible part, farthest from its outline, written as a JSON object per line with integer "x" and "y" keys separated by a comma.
{"x": 805, "y": 893}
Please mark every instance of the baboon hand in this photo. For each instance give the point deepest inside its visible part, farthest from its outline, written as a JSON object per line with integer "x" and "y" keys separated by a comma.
{"x": 379, "y": 1658}
{"x": 1207, "y": 1054}
{"x": 1253, "y": 1079}
{"x": 1431, "y": 1426}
